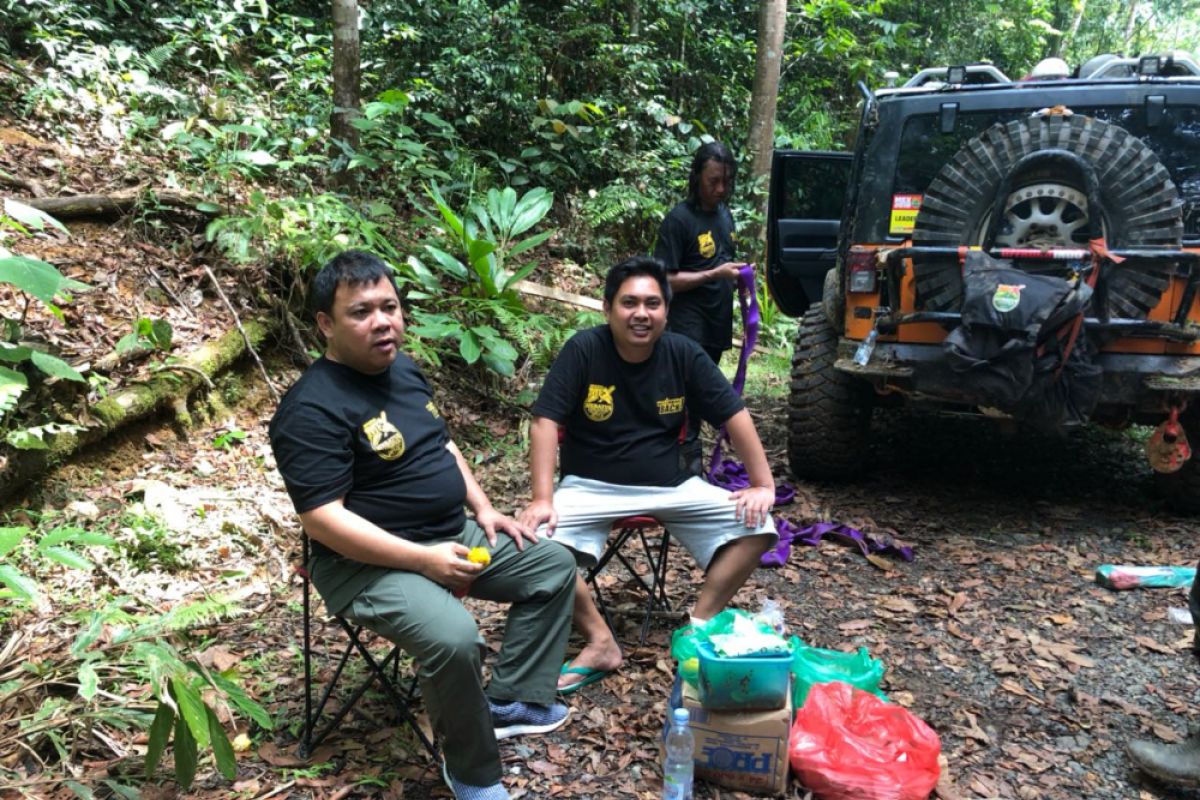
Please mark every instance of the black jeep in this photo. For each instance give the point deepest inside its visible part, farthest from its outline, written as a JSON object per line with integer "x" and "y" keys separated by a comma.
{"x": 1021, "y": 249}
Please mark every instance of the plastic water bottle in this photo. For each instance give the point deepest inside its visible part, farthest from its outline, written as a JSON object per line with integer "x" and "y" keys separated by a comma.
{"x": 863, "y": 354}
{"x": 677, "y": 771}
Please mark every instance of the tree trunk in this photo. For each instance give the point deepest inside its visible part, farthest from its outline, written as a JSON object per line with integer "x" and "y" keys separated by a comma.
{"x": 635, "y": 18}
{"x": 1065, "y": 40}
{"x": 345, "y": 79}
{"x": 1130, "y": 21}
{"x": 772, "y": 18}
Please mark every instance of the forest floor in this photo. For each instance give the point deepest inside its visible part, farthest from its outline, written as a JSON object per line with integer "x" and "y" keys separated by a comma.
{"x": 996, "y": 634}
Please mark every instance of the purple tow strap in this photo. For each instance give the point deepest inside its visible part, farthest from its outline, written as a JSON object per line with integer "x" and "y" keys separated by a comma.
{"x": 790, "y": 534}
{"x": 732, "y": 476}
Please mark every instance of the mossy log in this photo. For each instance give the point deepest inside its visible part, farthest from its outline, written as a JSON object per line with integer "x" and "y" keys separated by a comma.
{"x": 132, "y": 403}
{"x": 118, "y": 204}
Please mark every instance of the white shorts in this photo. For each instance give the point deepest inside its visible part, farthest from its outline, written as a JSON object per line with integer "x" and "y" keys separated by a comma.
{"x": 698, "y": 514}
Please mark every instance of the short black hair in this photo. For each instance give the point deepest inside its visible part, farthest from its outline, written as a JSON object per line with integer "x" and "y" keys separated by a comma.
{"x": 710, "y": 151}
{"x": 630, "y": 267}
{"x": 351, "y": 267}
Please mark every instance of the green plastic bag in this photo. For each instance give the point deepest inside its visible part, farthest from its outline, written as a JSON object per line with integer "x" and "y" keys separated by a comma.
{"x": 813, "y": 665}
{"x": 684, "y": 641}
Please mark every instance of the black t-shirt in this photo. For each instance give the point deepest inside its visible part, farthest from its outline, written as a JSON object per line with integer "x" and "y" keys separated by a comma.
{"x": 692, "y": 240}
{"x": 378, "y": 441}
{"x": 622, "y": 420}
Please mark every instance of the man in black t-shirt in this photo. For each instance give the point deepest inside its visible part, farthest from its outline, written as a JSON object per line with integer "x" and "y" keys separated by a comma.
{"x": 696, "y": 243}
{"x": 618, "y": 393}
{"x": 380, "y": 488}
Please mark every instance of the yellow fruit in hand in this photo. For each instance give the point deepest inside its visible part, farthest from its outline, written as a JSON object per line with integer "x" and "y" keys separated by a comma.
{"x": 479, "y": 555}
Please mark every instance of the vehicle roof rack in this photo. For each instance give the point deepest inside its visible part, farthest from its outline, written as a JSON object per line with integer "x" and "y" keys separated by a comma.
{"x": 976, "y": 74}
{"x": 1177, "y": 64}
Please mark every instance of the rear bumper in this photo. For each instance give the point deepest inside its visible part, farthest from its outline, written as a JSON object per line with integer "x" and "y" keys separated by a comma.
{"x": 1138, "y": 383}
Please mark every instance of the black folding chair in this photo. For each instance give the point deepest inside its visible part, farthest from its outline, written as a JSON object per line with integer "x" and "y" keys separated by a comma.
{"x": 639, "y": 528}
{"x": 385, "y": 671}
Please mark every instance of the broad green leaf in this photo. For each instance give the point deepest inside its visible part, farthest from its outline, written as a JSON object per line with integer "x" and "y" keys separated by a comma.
{"x": 160, "y": 730}
{"x": 93, "y": 539}
{"x": 161, "y": 334}
{"x": 528, "y": 244}
{"x": 501, "y": 349}
{"x": 89, "y": 681}
{"x": 186, "y": 753}
{"x": 25, "y": 439}
{"x": 123, "y": 791}
{"x": 447, "y": 262}
{"x": 63, "y": 533}
{"x": 453, "y": 223}
{"x": 130, "y": 341}
{"x": 237, "y": 695}
{"x": 209, "y": 208}
{"x": 55, "y": 367}
{"x": 30, "y": 216}
{"x": 11, "y": 537}
{"x": 423, "y": 274}
{"x": 191, "y": 707}
{"x": 14, "y": 353}
{"x": 530, "y": 210}
{"x": 222, "y": 749}
{"x": 88, "y": 636}
{"x": 68, "y": 557}
{"x": 498, "y": 365}
{"x": 22, "y": 586}
{"x": 469, "y": 348}
{"x": 32, "y": 276}
{"x": 253, "y": 130}
{"x": 478, "y": 250}
{"x": 81, "y": 791}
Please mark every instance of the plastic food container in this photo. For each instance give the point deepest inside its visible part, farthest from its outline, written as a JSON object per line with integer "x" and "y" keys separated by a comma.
{"x": 744, "y": 682}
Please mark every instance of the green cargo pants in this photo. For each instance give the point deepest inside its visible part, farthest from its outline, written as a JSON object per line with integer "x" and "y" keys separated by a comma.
{"x": 433, "y": 627}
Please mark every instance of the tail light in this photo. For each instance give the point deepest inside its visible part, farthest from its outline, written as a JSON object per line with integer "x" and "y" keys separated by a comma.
{"x": 861, "y": 267}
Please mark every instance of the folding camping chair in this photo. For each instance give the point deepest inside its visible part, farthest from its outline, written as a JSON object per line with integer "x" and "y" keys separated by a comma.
{"x": 386, "y": 671}
{"x": 655, "y": 554}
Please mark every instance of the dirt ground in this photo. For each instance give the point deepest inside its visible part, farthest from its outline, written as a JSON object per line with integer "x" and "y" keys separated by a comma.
{"x": 996, "y": 634}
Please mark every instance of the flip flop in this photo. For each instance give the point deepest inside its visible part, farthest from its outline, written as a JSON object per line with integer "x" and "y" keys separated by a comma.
{"x": 590, "y": 676}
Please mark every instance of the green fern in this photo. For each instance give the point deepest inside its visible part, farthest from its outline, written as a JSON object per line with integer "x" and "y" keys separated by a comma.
{"x": 158, "y": 57}
{"x": 203, "y": 612}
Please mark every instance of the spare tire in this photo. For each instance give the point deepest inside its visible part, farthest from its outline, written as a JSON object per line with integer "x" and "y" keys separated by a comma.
{"x": 1048, "y": 207}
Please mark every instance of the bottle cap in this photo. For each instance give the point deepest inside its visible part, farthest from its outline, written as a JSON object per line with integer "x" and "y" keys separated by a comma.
{"x": 681, "y": 716}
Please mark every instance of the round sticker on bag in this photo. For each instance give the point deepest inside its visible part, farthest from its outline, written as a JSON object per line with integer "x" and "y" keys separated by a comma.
{"x": 1007, "y": 296}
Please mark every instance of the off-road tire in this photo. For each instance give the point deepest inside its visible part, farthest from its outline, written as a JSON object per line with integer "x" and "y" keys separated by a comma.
{"x": 829, "y": 412}
{"x": 1141, "y": 206}
{"x": 1181, "y": 490}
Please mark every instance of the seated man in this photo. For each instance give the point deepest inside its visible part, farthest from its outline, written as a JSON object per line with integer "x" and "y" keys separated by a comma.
{"x": 619, "y": 392}
{"x": 380, "y": 488}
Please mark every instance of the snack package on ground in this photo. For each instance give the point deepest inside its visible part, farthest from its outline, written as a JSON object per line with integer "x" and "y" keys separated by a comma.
{"x": 847, "y": 744}
{"x": 1124, "y": 576}
{"x": 813, "y": 665}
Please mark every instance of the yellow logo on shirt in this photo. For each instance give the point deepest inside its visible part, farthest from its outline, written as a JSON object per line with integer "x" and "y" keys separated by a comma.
{"x": 708, "y": 247}
{"x": 432, "y": 409}
{"x": 670, "y": 405}
{"x": 385, "y": 439}
{"x": 599, "y": 403}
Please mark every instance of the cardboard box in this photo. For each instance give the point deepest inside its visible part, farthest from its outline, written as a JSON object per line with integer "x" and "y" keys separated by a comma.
{"x": 745, "y": 750}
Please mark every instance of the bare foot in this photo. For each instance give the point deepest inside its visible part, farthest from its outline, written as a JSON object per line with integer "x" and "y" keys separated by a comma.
{"x": 602, "y": 656}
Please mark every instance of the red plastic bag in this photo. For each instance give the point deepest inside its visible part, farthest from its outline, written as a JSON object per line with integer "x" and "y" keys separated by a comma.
{"x": 847, "y": 744}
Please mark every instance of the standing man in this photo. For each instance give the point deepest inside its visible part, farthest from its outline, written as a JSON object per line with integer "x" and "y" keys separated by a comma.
{"x": 696, "y": 243}
{"x": 618, "y": 393}
{"x": 380, "y": 489}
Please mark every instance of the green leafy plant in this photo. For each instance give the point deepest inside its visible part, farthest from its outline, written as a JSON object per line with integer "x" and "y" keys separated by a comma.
{"x": 226, "y": 439}
{"x": 147, "y": 334}
{"x": 478, "y": 245}
{"x": 58, "y": 545}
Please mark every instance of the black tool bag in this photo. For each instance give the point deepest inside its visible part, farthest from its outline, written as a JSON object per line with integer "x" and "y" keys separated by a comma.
{"x": 1010, "y": 347}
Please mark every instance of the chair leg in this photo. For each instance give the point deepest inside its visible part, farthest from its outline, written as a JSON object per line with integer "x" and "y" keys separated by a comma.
{"x": 658, "y": 581}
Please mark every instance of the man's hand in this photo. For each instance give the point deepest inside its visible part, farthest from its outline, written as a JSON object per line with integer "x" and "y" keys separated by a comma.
{"x": 537, "y": 512}
{"x": 447, "y": 564}
{"x": 754, "y": 504}
{"x": 492, "y": 520}
{"x": 726, "y": 272}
